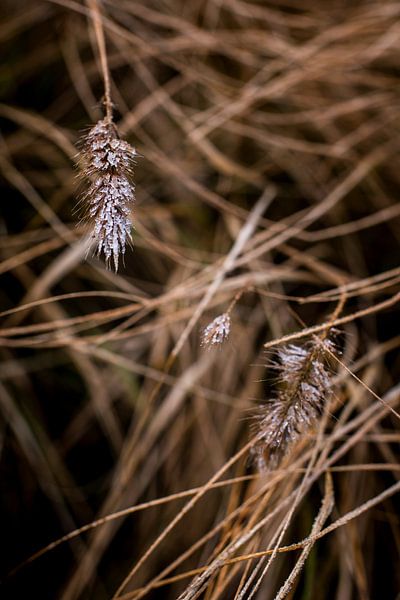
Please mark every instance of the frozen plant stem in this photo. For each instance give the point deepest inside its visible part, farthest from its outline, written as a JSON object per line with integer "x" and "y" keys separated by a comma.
{"x": 245, "y": 233}
{"x": 101, "y": 45}
{"x": 107, "y": 162}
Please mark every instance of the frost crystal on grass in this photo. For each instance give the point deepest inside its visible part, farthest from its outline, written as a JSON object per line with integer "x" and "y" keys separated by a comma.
{"x": 217, "y": 331}
{"x": 107, "y": 161}
{"x": 303, "y": 385}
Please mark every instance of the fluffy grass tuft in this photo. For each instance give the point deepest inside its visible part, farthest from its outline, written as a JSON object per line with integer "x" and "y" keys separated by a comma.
{"x": 303, "y": 385}
{"x": 107, "y": 162}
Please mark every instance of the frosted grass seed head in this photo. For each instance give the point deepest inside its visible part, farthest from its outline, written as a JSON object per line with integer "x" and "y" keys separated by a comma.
{"x": 217, "y": 331}
{"x": 107, "y": 162}
{"x": 303, "y": 385}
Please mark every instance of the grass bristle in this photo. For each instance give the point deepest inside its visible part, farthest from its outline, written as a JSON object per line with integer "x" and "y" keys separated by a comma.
{"x": 106, "y": 163}
{"x": 303, "y": 385}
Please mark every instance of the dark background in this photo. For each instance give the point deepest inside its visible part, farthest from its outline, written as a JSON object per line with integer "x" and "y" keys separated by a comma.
{"x": 221, "y": 101}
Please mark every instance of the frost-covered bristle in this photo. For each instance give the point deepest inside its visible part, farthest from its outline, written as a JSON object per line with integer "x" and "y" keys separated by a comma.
{"x": 217, "y": 331}
{"x": 107, "y": 161}
{"x": 105, "y": 150}
{"x": 303, "y": 386}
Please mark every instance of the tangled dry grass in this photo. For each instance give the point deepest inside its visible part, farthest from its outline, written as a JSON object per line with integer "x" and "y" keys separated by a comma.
{"x": 266, "y": 189}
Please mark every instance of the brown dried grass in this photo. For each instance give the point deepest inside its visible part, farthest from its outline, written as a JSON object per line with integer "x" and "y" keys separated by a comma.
{"x": 268, "y": 135}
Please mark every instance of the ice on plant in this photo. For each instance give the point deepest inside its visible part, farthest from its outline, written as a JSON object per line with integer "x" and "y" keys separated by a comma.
{"x": 107, "y": 161}
{"x": 304, "y": 384}
{"x": 217, "y": 331}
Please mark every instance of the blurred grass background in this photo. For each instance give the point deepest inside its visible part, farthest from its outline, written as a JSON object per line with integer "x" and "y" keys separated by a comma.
{"x": 223, "y": 100}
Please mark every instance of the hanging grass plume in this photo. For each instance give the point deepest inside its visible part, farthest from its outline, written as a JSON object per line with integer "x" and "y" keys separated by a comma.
{"x": 304, "y": 385}
{"x": 107, "y": 161}
{"x": 217, "y": 331}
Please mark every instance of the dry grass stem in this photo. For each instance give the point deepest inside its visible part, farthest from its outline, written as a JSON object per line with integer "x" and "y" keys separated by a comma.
{"x": 174, "y": 420}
